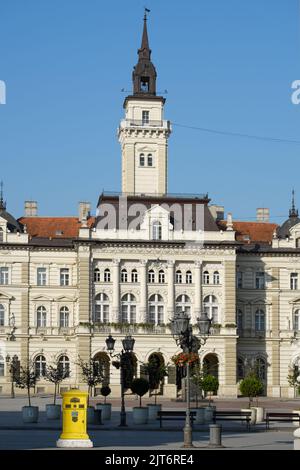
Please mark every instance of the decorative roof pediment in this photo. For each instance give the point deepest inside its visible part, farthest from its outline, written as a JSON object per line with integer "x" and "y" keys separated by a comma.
{"x": 260, "y": 301}
{"x": 295, "y": 301}
{"x": 43, "y": 298}
{"x": 5, "y": 296}
{"x": 64, "y": 298}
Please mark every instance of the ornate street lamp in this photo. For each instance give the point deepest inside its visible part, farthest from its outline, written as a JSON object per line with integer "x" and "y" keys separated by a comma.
{"x": 128, "y": 344}
{"x": 13, "y": 363}
{"x": 183, "y": 334}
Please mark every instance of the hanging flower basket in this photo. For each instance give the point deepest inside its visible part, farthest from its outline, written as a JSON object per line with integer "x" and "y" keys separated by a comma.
{"x": 182, "y": 359}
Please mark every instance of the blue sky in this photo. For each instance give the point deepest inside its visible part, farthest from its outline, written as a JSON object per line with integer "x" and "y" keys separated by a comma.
{"x": 227, "y": 65}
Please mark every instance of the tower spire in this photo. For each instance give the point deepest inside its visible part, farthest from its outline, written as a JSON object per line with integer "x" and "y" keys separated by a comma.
{"x": 293, "y": 211}
{"x": 145, "y": 51}
{"x": 2, "y": 203}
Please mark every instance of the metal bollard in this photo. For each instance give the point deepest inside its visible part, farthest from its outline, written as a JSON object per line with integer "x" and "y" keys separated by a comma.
{"x": 215, "y": 435}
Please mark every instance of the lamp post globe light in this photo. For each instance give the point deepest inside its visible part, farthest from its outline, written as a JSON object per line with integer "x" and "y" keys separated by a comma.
{"x": 182, "y": 331}
{"x": 128, "y": 345}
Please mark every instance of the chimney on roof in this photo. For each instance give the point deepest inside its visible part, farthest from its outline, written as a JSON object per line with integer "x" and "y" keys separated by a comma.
{"x": 31, "y": 208}
{"x": 84, "y": 211}
{"x": 229, "y": 222}
{"x": 263, "y": 214}
{"x": 217, "y": 212}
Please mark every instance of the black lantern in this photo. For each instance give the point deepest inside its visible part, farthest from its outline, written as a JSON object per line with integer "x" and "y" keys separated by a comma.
{"x": 204, "y": 324}
{"x": 110, "y": 343}
{"x": 180, "y": 323}
{"x": 128, "y": 343}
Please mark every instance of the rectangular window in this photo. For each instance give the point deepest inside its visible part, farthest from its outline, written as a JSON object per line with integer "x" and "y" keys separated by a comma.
{"x": 125, "y": 313}
{"x": 152, "y": 314}
{"x": 260, "y": 280}
{"x": 239, "y": 280}
{"x": 41, "y": 276}
{"x": 294, "y": 281}
{"x": 105, "y": 313}
{"x": 4, "y": 276}
{"x": 160, "y": 313}
{"x": 133, "y": 314}
{"x": 145, "y": 117}
{"x": 64, "y": 277}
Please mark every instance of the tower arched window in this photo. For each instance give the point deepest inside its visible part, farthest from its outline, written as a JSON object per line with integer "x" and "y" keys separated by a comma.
{"x": 183, "y": 304}
{"x": 206, "y": 277}
{"x": 211, "y": 307}
{"x": 161, "y": 277}
{"x": 128, "y": 306}
{"x": 106, "y": 275}
{"x": 64, "y": 317}
{"x": 2, "y": 315}
{"x": 64, "y": 365}
{"x": 134, "y": 275}
{"x": 260, "y": 320}
{"x": 178, "y": 278}
{"x": 1, "y": 235}
{"x": 1, "y": 366}
{"x": 296, "y": 318}
{"x": 124, "y": 275}
{"x": 96, "y": 275}
{"x": 142, "y": 159}
{"x": 149, "y": 159}
{"x": 156, "y": 309}
{"x": 216, "y": 277}
{"x": 101, "y": 314}
{"x": 188, "y": 277}
{"x": 41, "y": 317}
{"x": 156, "y": 230}
{"x": 151, "y": 276}
{"x": 294, "y": 281}
{"x": 40, "y": 366}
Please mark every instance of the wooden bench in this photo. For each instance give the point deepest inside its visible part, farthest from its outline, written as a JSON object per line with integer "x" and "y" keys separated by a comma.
{"x": 284, "y": 417}
{"x": 174, "y": 415}
{"x": 233, "y": 416}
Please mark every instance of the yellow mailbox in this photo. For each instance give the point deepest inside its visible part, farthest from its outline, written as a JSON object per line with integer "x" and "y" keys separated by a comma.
{"x": 74, "y": 420}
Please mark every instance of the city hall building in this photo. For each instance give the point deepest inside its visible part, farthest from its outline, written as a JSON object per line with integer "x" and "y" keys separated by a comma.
{"x": 66, "y": 283}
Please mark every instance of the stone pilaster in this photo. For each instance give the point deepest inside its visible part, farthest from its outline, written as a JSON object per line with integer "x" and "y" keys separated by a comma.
{"x": 229, "y": 292}
{"x": 274, "y": 325}
{"x": 229, "y": 388}
{"x": 198, "y": 292}
{"x": 171, "y": 302}
{"x": 84, "y": 283}
{"x": 116, "y": 291}
{"x": 143, "y": 291}
{"x": 24, "y": 346}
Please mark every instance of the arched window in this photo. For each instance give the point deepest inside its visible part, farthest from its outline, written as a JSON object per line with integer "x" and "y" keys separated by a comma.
{"x": 161, "y": 276}
{"x": 183, "y": 304}
{"x": 188, "y": 277}
{"x": 260, "y": 368}
{"x": 2, "y": 315}
{"x": 210, "y": 304}
{"x": 40, "y": 366}
{"x": 102, "y": 364}
{"x": 1, "y": 366}
{"x": 64, "y": 317}
{"x": 239, "y": 319}
{"x": 156, "y": 230}
{"x": 260, "y": 320}
{"x": 134, "y": 275}
{"x": 64, "y": 365}
{"x": 206, "y": 277}
{"x": 156, "y": 309}
{"x": 142, "y": 159}
{"x": 151, "y": 276}
{"x": 106, "y": 275}
{"x": 124, "y": 275}
{"x": 178, "y": 278}
{"x": 296, "y": 317}
{"x": 41, "y": 317}
{"x": 150, "y": 159}
{"x": 128, "y": 308}
{"x": 216, "y": 277}
{"x": 294, "y": 281}
{"x": 97, "y": 275}
{"x": 101, "y": 308}
{"x": 1, "y": 235}
{"x": 240, "y": 369}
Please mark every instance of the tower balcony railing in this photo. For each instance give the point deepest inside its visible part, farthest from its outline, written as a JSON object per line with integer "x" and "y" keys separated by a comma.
{"x": 162, "y": 124}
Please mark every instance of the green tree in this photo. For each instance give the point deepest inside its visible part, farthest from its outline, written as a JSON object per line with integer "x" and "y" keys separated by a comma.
{"x": 140, "y": 387}
{"x": 92, "y": 374}
{"x": 56, "y": 374}
{"x": 26, "y": 379}
{"x": 209, "y": 384}
{"x": 251, "y": 386}
{"x": 156, "y": 373}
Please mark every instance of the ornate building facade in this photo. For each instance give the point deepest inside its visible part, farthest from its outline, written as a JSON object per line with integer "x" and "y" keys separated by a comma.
{"x": 67, "y": 283}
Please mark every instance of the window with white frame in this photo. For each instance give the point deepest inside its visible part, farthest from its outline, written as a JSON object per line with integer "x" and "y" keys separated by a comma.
{"x": 149, "y": 159}
{"x": 40, "y": 366}
{"x": 96, "y": 275}
{"x": 296, "y": 317}
{"x": 145, "y": 117}
{"x": 1, "y": 235}
{"x": 124, "y": 275}
{"x": 128, "y": 306}
{"x": 2, "y": 370}
{"x": 206, "y": 277}
{"x": 2, "y": 315}
{"x": 239, "y": 280}
{"x": 64, "y": 277}
{"x": 259, "y": 280}
{"x": 151, "y": 276}
{"x": 161, "y": 277}
{"x": 64, "y": 317}
{"x": 101, "y": 308}
{"x": 4, "y": 274}
{"x": 41, "y": 317}
{"x": 156, "y": 230}
{"x": 211, "y": 307}
{"x": 156, "y": 309}
{"x": 134, "y": 275}
{"x": 260, "y": 320}
{"x": 178, "y": 277}
{"x": 294, "y": 281}
{"x": 239, "y": 319}
{"x": 216, "y": 277}
{"x": 41, "y": 275}
{"x": 183, "y": 304}
{"x": 142, "y": 159}
{"x": 188, "y": 277}
{"x": 107, "y": 275}
{"x": 64, "y": 365}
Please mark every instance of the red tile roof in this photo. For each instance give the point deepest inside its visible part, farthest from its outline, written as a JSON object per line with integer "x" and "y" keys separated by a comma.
{"x": 53, "y": 227}
{"x": 252, "y": 232}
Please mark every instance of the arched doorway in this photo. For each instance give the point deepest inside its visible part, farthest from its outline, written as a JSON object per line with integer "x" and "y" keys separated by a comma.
{"x": 211, "y": 365}
{"x": 129, "y": 364}
{"x": 102, "y": 361}
{"x": 156, "y": 365}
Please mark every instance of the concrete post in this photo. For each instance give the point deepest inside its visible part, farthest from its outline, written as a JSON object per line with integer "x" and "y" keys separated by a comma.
{"x": 215, "y": 435}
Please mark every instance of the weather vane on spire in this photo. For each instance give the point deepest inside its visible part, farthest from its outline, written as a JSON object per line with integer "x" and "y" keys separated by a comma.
{"x": 2, "y": 204}
{"x": 146, "y": 11}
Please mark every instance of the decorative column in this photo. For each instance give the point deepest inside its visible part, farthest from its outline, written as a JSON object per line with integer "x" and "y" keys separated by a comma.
{"x": 143, "y": 291}
{"x": 116, "y": 291}
{"x": 198, "y": 292}
{"x": 171, "y": 304}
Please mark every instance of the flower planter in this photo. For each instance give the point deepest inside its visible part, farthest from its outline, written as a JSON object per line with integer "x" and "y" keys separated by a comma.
{"x": 90, "y": 415}
{"x": 30, "y": 414}
{"x": 259, "y": 414}
{"x": 140, "y": 415}
{"x": 253, "y": 414}
{"x": 209, "y": 414}
{"x": 53, "y": 411}
{"x": 199, "y": 418}
{"x": 152, "y": 411}
{"x": 105, "y": 410}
